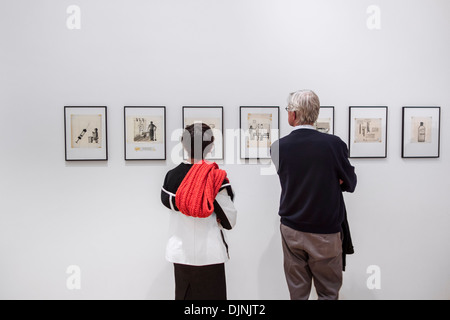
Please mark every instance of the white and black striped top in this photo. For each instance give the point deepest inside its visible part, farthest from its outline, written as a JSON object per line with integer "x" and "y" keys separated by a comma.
{"x": 197, "y": 241}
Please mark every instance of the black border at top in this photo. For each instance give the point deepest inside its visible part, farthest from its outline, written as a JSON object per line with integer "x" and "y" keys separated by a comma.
{"x": 330, "y": 107}
{"x": 240, "y": 127}
{"x": 106, "y": 132}
{"x": 223, "y": 127}
{"x": 403, "y": 133}
{"x": 350, "y": 126}
{"x": 125, "y": 132}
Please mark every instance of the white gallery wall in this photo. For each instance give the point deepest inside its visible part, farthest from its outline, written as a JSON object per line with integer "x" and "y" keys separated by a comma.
{"x": 106, "y": 217}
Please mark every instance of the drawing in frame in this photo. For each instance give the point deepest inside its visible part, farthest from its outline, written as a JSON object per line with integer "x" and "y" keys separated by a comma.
{"x": 259, "y": 128}
{"x": 213, "y": 117}
{"x": 368, "y": 132}
{"x": 325, "y": 121}
{"x": 85, "y": 133}
{"x": 421, "y": 128}
{"x": 145, "y": 133}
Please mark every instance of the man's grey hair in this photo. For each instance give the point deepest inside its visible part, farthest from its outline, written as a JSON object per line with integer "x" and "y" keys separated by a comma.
{"x": 306, "y": 105}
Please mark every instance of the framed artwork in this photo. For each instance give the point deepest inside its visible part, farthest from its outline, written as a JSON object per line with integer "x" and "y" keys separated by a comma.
{"x": 145, "y": 133}
{"x": 368, "y": 132}
{"x": 421, "y": 132}
{"x": 85, "y": 130}
{"x": 260, "y": 127}
{"x": 212, "y": 116}
{"x": 325, "y": 121}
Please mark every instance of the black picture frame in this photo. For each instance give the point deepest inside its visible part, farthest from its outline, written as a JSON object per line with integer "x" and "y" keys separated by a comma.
{"x": 431, "y": 149}
{"x": 241, "y": 136}
{"x": 368, "y": 149}
{"x": 332, "y": 118}
{"x": 142, "y": 154}
{"x": 203, "y": 113}
{"x": 87, "y": 154}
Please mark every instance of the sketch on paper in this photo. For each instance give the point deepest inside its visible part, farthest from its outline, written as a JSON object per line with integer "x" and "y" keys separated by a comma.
{"x": 323, "y": 125}
{"x": 421, "y": 129}
{"x": 368, "y": 130}
{"x": 259, "y": 126}
{"x": 86, "y": 131}
{"x": 145, "y": 129}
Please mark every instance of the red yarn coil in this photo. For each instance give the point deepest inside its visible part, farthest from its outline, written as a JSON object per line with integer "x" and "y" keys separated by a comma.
{"x": 196, "y": 193}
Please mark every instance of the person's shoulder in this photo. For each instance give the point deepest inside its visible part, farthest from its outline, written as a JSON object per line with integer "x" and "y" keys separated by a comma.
{"x": 332, "y": 139}
{"x": 285, "y": 139}
{"x": 175, "y": 176}
{"x": 180, "y": 169}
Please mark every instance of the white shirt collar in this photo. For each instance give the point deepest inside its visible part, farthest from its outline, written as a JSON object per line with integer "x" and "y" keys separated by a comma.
{"x": 305, "y": 126}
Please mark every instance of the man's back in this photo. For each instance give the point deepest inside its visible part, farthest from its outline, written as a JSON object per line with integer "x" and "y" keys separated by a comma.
{"x": 314, "y": 170}
{"x": 311, "y": 165}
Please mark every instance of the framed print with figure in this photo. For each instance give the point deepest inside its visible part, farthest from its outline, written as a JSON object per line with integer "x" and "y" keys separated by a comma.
{"x": 421, "y": 132}
{"x": 368, "y": 132}
{"x": 85, "y": 130}
{"x": 260, "y": 127}
{"x": 213, "y": 117}
{"x": 325, "y": 121}
{"x": 145, "y": 133}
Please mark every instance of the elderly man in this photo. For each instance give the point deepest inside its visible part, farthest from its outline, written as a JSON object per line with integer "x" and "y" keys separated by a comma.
{"x": 314, "y": 169}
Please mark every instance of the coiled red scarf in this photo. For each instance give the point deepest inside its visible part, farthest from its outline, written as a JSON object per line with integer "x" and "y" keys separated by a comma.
{"x": 196, "y": 193}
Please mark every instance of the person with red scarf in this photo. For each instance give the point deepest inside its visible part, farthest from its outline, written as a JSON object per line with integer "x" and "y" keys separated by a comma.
{"x": 200, "y": 197}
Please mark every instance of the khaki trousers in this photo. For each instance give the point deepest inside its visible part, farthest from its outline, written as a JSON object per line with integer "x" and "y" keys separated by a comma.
{"x": 309, "y": 256}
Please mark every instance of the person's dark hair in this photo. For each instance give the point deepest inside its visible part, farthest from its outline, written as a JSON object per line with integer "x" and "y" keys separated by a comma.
{"x": 198, "y": 140}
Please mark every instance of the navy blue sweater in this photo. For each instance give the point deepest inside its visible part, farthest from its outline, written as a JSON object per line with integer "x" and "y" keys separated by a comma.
{"x": 310, "y": 165}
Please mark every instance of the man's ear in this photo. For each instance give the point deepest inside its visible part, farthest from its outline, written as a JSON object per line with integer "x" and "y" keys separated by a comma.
{"x": 294, "y": 117}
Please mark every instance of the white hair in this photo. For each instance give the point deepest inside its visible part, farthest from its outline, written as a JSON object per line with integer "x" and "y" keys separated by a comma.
{"x": 306, "y": 105}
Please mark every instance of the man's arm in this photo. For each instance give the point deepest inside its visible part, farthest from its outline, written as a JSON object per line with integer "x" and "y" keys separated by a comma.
{"x": 275, "y": 154}
{"x": 347, "y": 175}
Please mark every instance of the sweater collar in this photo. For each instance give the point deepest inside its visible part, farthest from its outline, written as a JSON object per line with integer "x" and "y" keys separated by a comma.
{"x": 304, "y": 126}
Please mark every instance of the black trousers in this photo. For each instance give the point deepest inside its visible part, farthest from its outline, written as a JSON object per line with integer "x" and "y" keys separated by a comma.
{"x": 200, "y": 282}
